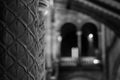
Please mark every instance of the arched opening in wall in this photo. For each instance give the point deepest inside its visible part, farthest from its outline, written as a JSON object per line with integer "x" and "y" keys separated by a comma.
{"x": 69, "y": 40}
{"x": 89, "y": 40}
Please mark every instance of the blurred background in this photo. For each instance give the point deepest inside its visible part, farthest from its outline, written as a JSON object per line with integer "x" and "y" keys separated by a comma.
{"x": 82, "y": 40}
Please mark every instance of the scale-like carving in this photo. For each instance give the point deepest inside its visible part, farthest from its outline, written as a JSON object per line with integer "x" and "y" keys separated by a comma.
{"x": 21, "y": 40}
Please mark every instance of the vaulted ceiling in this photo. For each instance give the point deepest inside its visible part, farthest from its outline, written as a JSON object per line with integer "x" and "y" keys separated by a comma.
{"x": 105, "y": 11}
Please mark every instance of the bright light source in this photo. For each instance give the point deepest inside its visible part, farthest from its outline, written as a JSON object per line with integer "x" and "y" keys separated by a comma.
{"x": 96, "y": 61}
{"x": 90, "y": 35}
{"x": 59, "y": 38}
{"x": 46, "y": 12}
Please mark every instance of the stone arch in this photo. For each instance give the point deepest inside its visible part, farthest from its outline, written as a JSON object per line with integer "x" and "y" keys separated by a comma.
{"x": 69, "y": 38}
{"x": 89, "y": 31}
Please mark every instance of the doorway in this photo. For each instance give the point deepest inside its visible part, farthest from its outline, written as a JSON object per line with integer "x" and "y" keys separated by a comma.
{"x": 69, "y": 39}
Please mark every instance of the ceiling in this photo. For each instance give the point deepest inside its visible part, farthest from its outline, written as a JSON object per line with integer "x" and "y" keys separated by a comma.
{"x": 105, "y": 11}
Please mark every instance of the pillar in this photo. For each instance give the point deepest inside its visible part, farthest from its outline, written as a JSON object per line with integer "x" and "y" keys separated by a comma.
{"x": 22, "y": 40}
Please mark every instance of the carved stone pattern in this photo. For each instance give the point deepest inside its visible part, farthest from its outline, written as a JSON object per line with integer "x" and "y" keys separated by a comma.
{"x": 21, "y": 40}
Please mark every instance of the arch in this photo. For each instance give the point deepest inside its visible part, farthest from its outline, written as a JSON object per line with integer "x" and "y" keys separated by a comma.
{"x": 109, "y": 20}
{"x": 89, "y": 39}
{"x": 69, "y": 39}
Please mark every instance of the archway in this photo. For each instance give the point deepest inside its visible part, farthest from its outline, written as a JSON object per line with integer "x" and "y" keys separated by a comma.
{"x": 69, "y": 39}
{"x": 89, "y": 39}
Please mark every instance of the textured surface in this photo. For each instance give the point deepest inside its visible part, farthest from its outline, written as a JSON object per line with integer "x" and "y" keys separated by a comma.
{"x": 21, "y": 40}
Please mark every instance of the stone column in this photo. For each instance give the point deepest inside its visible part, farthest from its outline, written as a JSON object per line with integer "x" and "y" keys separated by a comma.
{"x": 22, "y": 40}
